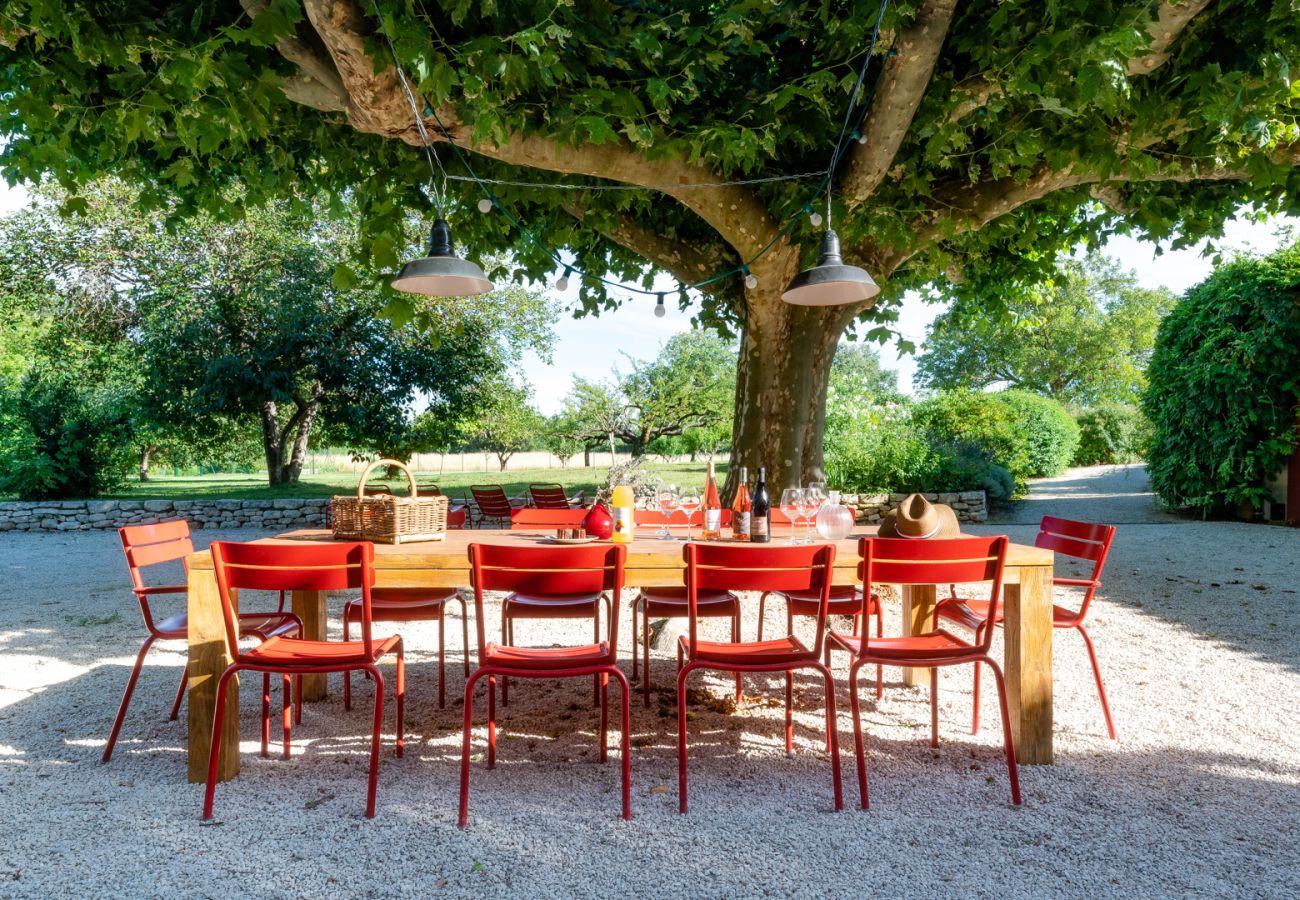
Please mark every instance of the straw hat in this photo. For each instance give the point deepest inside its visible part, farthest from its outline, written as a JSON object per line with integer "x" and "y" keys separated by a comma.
{"x": 918, "y": 518}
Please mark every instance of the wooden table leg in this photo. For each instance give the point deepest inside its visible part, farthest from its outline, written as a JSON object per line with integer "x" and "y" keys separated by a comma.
{"x": 209, "y": 657}
{"x": 310, "y": 607}
{"x": 1028, "y": 662}
{"x": 918, "y": 617}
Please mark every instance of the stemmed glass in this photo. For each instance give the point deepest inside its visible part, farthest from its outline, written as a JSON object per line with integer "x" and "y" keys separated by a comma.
{"x": 812, "y": 500}
{"x": 668, "y": 501}
{"x": 792, "y": 500}
{"x": 689, "y": 502}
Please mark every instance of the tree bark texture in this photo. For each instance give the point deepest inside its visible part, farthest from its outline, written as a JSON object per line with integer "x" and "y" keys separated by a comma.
{"x": 285, "y": 446}
{"x": 145, "y": 453}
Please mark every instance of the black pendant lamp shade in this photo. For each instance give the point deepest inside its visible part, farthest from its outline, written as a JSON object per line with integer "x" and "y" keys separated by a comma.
{"x": 830, "y": 282}
{"x": 441, "y": 273}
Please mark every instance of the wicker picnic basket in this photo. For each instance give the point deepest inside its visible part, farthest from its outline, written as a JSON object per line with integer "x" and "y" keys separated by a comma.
{"x": 388, "y": 519}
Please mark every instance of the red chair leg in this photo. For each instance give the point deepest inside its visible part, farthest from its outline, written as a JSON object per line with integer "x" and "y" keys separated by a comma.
{"x": 789, "y": 712}
{"x": 286, "y": 714}
{"x": 604, "y": 717}
{"x": 595, "y": 679}
{"x": 347, "y": 674}
{"x": 266, "y": 714}
{"x": 934, "y": 706}
{"x": 880, "y": 670}
{"x": 463, "y": 818}
{"x": 464, "y": 631}
{"x": 507, "y": 638}
{"x": 126, "y": 698}
{"x": 492, "y": 719}
{"x": 442, "y": 657}
{"x": 1096, "y": 672}
{"x": 762, "y": 602}
{"x": 625, "y": 703}
{"x": 214, "y": 753}
{"x": 297, "y": 699}
{"x": 858, "y": 748}
{"x": 1009, "y": 742}
{"x": 373, "y": 784}
{"x": 180, "y": 693}
{"x": 975, "y": 697}
{"x": 401, "y": 701}
{"x": 635, "y": 670}
{"x": 645, "y": 646}
{"x": 735, "y": 637}
{"x": 681, "y": 736}
{"x": 832, "y": 736}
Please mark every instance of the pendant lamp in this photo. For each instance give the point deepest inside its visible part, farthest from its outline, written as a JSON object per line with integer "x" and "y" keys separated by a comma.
{"x": 830, "y": 282}
{"x": 441, "y": 273}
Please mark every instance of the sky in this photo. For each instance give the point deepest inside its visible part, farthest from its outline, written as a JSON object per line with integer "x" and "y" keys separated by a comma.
{"x": 595, "y": 346}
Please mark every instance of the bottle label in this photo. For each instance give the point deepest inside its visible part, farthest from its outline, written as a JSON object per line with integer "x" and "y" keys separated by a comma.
{"x": 740, "y": 524}
{"x": 713, "y": 520}
{"x": 624, "y": 526}
{"x": 758, "y": 526}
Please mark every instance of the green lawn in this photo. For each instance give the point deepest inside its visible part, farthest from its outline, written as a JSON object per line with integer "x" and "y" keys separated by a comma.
{"x": 254, "y": 487}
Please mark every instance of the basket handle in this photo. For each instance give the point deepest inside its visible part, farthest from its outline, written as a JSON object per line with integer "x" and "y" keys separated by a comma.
{"x": 410, "y": 478}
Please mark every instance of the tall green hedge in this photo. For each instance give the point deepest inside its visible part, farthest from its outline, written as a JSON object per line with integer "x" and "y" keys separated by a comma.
{"x": 1224, "y": 384}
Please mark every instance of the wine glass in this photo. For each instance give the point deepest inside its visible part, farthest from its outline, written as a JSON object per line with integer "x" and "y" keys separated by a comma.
{"x": 813, "y": 498}
{"x": 689, "y": 502}
{"x": 668, "y": 501}
{"x": 792, "y": 501}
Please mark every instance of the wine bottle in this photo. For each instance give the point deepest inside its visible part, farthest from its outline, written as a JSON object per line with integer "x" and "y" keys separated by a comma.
{"x": 740, "y": 509}
{"x": 760, "y": 520}
{"x": 712, "y": 509}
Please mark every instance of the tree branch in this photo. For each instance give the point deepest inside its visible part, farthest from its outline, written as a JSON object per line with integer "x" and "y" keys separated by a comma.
{"x": 318, "y": 85}
{"x": 377, "y": 105}
{"x": 902, "y": 87}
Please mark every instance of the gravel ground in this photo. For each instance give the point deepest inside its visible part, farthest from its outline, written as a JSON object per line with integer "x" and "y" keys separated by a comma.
{"x": 1199, "y": 795}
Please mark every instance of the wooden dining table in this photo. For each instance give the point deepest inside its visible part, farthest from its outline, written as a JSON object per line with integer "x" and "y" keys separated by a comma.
{"x": 650, "y": 562}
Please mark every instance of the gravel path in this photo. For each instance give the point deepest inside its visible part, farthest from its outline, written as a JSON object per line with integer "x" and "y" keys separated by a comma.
{"x": 1201, "y": 794}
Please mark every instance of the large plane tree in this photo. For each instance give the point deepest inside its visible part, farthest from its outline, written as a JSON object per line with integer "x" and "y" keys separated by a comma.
{"x": 996, "y": 134}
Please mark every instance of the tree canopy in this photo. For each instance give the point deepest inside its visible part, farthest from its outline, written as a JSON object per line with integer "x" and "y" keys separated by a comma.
{"x": 998, "y": 134}
{"x": 1083, "y": 335}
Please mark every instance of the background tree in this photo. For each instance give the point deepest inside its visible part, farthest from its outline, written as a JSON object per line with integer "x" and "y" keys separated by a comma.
{"x": 598, "y": 407}
{"x": 999, "y": 134}
{"x": 562, "y": 435}
{"x": 505, "y": 421}
{"x": 1084, "y": 335}
{"x": 857, "y": 373}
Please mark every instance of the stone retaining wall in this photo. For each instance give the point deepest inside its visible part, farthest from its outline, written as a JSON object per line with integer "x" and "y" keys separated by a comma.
{"x": 79, "y": 515}
{"x": 970, "y": 506}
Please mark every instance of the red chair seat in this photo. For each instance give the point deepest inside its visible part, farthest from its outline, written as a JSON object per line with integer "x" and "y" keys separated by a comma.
{"x": 401, "y": 604}
{"x": 749, "y": 653}
{"x": 546, "y": 657}
{"x": 263, "y": 625}
{"x": 917, "y": 647}
{"x": 287, "y": 652}
{"x": 671, "y": 601}
{"x": 551, "y": 606}
{"x": 974, "y": 613}
{"x": 846, "y": 600}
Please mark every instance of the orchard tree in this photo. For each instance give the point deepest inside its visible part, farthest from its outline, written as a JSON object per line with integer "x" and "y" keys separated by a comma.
{"x": 1083, "y": 335}
{"x": 998, "y": 133}
{"x": 505, "y": 421}
{"x": 688, "y": 386}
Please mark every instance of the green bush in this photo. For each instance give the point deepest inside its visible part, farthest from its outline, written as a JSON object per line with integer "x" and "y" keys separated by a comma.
{"x": 62, "y": 438}
{"x": 1112, "y": 433}
{"x": 1224, "y": 384}
{"x": 1050, "y": 433}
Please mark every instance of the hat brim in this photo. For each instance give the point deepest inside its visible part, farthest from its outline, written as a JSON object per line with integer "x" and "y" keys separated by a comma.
{"x": 949, "y": 527}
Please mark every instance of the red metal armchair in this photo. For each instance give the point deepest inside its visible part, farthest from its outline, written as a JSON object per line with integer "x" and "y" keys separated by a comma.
{"x": 719, "y": 567}
{"x": 491, "y": 502}
{"x": 549, "y": 496}
{"x": 164, "y": 542}
{"x": 908, "y": 562}
{"x": 1080, "y": 540}
{"x": 547, "y": 571}
{"x": 307, "y": 567}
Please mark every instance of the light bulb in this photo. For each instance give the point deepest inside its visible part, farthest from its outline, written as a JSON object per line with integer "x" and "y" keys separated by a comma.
{"x": 485, "y": 205}
{"x": 660, "y": 310}
{"x": 862, "y": 139}
{"x": 816, "y": 219}
{"x": 751, "y": 280}
{"x": 563, "y": 283}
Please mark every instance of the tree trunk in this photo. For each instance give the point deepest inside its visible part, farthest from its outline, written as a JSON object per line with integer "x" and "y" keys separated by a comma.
{"x": 586, "y": 457}
{"x": 272, "y": 443}
{"x": 613, "y": 461}
{"x": 781, "y": 378}
{"x": 286, "y": 446}
{"x": 503, "y": 458}
{"x": 303, "y": 420}
{"x": 145, "y": 453}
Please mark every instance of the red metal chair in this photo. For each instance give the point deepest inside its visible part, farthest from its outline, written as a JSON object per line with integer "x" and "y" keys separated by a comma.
{"x": 909, "y": 562}
{"x": 302, "y": 567}
{"x": 549, "y": 496}
{"x": 669, "y": 602}
{"x": 533, "y": 519}
{"x": 164, "y": 542}
{"x": 1080, "y": 540}
{"x": 491, "y": 502}
{"x": 720, "y": 567}
{"x": 547, "y": 571}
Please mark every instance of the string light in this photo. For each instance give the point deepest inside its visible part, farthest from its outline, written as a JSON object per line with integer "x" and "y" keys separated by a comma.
{"x": 660, "y": 309}
{"x": 563, "y": 283}
{"x": 485, "y": 205}
{"x": 751, "y": 280}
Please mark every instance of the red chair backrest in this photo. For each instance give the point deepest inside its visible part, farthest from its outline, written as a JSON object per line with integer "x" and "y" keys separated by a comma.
{"x": 292, "y": 567}
{"x": 548, "y": 496}
{"x": 492, "y": 500}
{"x": 538, "y": 571}
{"x": 730, "y": 567}
{"x": 656, "y": 517}
{"x": 964, "y": 560}
{"x": 546, "y": 519}
{"x": 151, "y": 545}
{"x": 1080, "y": 540}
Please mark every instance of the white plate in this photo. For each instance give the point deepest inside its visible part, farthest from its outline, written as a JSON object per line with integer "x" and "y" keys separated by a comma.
{"x": 552, "y": 539}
